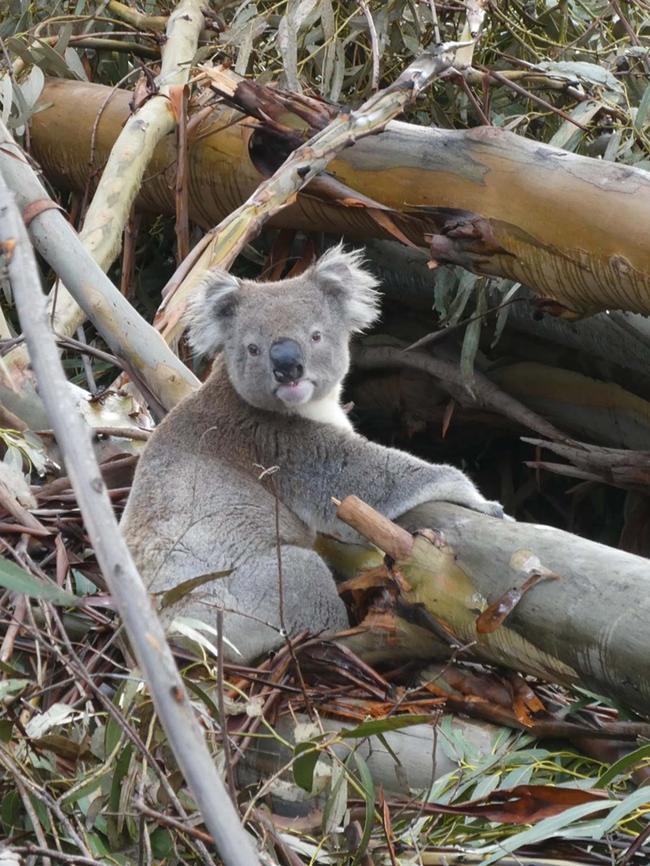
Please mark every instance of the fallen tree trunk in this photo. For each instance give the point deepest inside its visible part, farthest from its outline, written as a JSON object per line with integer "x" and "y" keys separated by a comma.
{"x": 493, "y": 201}
{"x": 586, "y": 622}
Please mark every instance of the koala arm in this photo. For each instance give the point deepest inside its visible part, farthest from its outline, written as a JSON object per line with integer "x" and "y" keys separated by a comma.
{"x": 389, "y": 480}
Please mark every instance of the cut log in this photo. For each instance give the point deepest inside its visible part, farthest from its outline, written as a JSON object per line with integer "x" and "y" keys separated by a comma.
{"x": 586, "y": 623}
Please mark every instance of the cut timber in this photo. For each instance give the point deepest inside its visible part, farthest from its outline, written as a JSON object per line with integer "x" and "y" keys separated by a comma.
{"x": 586, "y": 623}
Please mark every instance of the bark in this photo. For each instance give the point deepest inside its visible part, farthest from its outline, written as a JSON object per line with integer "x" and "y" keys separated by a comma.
{"x": 492, "y": 200}
{"x": 585, "y": 623}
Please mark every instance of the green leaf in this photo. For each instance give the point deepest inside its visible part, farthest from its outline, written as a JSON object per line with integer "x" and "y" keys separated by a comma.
{"x": 641, "y": 118}
{"x": 636, "y": 800}
{"x": 336, "y": 805}
{"x": 381, "y": 726}
{"x": 15, "y": 578}
{"x": 161, "y": 844}
{"x": 305, "y": 760}
{"x": 472, "y": 336}
{"x": 581, "y": 71}
{"x": 6, "y": 729}
{"x": 12, "y": 687}
{"x": 568, "y": 135}
{"x": 368, "y": 790}
{"x": 121, "y": 769}
{"x": 623, "y": 765}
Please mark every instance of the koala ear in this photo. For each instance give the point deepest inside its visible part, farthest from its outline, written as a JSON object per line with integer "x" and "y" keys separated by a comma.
{"x": 341, "y": 274}
{"x": 214, "y": 302}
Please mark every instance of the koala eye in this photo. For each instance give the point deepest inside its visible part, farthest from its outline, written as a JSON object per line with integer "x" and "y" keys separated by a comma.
{"x": 253, "y": 349}
{"x": 316, "y": 337}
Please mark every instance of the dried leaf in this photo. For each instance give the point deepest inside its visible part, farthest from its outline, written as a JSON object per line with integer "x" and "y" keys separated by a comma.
{"x": 494, "y": 615}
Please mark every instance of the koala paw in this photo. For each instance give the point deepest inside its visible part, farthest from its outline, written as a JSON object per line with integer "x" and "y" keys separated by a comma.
{"x": 494, "y": 509}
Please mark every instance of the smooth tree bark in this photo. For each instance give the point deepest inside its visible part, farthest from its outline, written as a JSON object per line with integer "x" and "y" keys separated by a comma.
{"x": 492, "y": 201}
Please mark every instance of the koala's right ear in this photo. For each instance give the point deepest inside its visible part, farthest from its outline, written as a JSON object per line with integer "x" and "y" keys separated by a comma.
{"x": 213, "y": 304}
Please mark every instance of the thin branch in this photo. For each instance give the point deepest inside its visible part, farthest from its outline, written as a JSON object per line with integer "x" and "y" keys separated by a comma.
{"x": 121, "y": 178}
{"x": 140, "y": 620}
{"x": 305, "y": 163}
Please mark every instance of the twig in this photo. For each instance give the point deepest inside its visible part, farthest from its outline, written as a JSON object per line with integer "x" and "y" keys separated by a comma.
{"x": 435, "y": 336}
{"x": 434, "y": 22}
{"x": 74, "y": 859}
{"x": 141, "y": 622}
{"x": 182, "y": 225}
{"x": 173, "y": 822}
{"x": 116, "y": 432}
{"x": 85, "y": 360}
{"x": 285, "y": 631}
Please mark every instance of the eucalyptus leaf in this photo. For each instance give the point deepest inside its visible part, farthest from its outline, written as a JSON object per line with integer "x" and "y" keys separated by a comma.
{"x": 304, "y": 763}
{"x": 544, "y": 830}
{"x": 16, "y": 579}
{"x": 624, "y": 765}
{"x": 579, "y": 70}
{"x": 12, "y": 687}
{"x": 642, "y": 112}
{"x": 382, "y": 726}
{"x": 568, "y": 136}
{"x": 193, "y": 630}
{"x": 368, "y": 794}
{"x": 336, "y": 805}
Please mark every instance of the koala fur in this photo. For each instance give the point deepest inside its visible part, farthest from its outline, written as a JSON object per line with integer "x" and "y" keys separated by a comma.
{"x": 205, "y": 497}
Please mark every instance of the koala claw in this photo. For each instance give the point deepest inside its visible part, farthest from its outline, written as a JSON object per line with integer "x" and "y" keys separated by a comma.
{"x": 493, "y": 508}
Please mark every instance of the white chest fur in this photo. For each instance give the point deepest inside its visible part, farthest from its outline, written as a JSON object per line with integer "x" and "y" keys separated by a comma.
{"x": 327, "y": 410}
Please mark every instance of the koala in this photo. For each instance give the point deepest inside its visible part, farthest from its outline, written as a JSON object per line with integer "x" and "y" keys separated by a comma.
{"x": 241, "y": 474}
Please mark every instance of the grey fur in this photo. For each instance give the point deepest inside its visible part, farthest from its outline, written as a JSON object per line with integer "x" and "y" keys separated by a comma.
{"x": 198, "y": 504}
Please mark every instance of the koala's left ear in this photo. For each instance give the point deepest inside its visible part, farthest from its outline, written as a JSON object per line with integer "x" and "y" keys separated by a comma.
{"x": 341, "y": 275}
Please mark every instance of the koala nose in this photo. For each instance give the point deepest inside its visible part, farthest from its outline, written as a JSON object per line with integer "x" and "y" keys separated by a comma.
{"x": 287, "y": 361}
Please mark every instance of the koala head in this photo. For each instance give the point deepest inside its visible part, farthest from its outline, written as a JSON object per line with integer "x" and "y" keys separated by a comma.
{"x": 285, "y": 343}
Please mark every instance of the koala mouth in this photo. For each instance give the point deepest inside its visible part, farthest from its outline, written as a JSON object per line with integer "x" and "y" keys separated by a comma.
{"x": 295, "y": 393}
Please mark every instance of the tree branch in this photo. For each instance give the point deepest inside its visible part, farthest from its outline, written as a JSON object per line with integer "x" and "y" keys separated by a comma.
{"x": 140, "y": 620}
{"x": 126, "y": 332}
{"x": 304, "y": 164}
